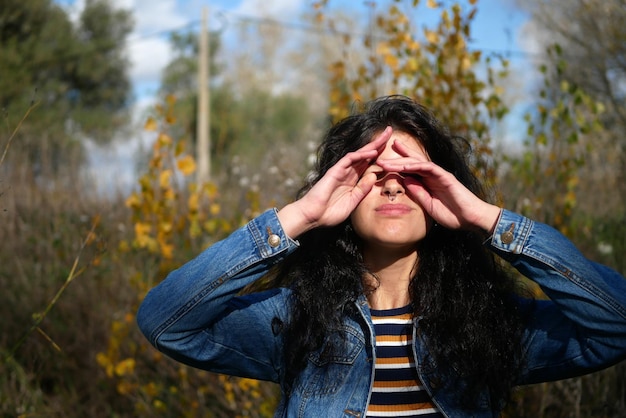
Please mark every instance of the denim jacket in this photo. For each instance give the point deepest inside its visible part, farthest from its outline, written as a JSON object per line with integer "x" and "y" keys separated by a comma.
{"x": 196, "y": 317}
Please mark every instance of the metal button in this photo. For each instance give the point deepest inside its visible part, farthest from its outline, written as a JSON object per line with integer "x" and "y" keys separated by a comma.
{"x": 273, "y": 240}
{"x": 507, "y": 236}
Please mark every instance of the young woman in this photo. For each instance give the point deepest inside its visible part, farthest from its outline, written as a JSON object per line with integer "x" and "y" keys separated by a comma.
{"x": 386, "y": 298}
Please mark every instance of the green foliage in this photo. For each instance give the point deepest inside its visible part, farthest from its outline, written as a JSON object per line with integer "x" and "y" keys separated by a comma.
{"x": 85, "y": 356}
{"x": 58, "y": 313}
{"x": 100, "y": 83}
{"x": 77, "y": 73}
{"x": 544, "y": 183}
{"x": 556, "y": 147}
{"x": 246, "y": 125}
{"x": 436, "y": 67}
{"x": 172, "y": 217}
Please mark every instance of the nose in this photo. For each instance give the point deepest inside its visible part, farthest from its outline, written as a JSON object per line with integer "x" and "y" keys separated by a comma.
{"x": 392, "y": 186}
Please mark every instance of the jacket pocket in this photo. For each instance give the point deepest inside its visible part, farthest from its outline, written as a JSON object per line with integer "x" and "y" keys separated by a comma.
{"x": 330, "y": 366}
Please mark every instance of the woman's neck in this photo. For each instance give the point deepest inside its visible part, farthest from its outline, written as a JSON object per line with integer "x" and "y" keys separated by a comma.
{"x": 390, "y": 278}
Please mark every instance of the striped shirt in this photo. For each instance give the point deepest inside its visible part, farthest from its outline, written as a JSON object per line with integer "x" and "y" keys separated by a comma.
{"x": 397, "y": 390}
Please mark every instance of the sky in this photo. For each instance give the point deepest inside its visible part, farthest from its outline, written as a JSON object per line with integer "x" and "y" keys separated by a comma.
{"x": 498, "y": 28}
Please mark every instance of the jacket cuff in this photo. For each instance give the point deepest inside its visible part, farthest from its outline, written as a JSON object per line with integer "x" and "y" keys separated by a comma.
{"x": 511, "y": 232}
{"x": 269, "y": 236}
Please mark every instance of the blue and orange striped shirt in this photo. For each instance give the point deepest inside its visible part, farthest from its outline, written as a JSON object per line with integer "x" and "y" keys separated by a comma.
{"x": 397, "y": 390}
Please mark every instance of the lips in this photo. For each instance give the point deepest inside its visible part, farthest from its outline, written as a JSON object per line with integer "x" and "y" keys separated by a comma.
{"x": 393, "y": 209}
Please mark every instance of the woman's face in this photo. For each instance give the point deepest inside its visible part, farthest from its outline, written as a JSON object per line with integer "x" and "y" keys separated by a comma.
{"x": 388, "y": 217}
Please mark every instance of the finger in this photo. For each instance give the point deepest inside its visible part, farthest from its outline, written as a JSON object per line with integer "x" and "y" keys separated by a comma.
{"x": 410, "y": 165}
{"x": 364, "y": 185}
{"x": 410, "y": 149}
{"x": 362, "y": 157}
{"x": 379, "y": 141}
{"x": 416, "y": 188}
{"x": 368, "y": 180}
{"x": 354, "y": 163}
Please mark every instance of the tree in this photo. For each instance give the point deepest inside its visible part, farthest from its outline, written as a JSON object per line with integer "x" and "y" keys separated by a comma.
{"x": 76, "y": 74}
{"x": 573, "y": 167}
{"x": 592, "y": 37}
{"x": 434, "y": 65}
{"x": 101, "y": 84}
{"x": 253, "y": 124}
{"x": 438, "y": 69}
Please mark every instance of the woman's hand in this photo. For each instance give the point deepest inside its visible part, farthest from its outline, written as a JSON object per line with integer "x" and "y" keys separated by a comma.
{"x": 441, "y": 195}
{"x": 333, "y": 198}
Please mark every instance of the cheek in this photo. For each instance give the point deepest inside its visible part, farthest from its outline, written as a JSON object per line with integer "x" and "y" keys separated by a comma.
{"x": 362, "y": 217}
{"x": 357, "y": 219}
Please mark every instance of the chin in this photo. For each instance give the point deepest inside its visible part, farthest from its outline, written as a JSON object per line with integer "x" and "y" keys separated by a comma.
{"x": 394, "y": 242}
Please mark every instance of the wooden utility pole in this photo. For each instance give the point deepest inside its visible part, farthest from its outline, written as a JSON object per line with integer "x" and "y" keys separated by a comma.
{"x": 203, "y": 140}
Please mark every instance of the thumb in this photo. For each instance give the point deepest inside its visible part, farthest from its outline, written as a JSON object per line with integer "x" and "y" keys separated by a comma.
{"x": 364, "y": 185}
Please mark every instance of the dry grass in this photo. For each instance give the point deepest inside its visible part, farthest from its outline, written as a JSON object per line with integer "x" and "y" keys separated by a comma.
{"x": 53, "y": 371}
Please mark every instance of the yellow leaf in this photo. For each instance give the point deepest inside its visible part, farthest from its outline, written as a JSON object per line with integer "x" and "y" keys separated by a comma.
{"x": 186, "y": 165}
{"x": 142, "y": 229}
{"x": 210, "y": 226}
{"x": 167, "y": 250}
{"x": 414, "y": 45}
{"x": 165, "y": 227}
{"x": 159, "y": 405}
{"x": 151, "y": 124}
{"x": 382, "y": 48}
{"x": 123, "y": 246}
{"x": 432, "y": 4}
{"x": 180, "y": 147}
{"x": 214, "y": 209}
{"x": 466, "y": 63}
{"x": 125, "y": 388}
{"x": 170, "y": 99}
{"x": 391, "y": 61}
{"x": 164, "y": 178}
{"x": 143, "y": 238}
{"x": 125, "y": 367}
{"x": 194, "y": 228}
{"x": 103, "y": 360}
{"x": 193, "y": 202}
{"x": 401, "y": 19}
{"x": 412, "y": 65}
{"x": 133, "y": 201}
{"x": 164, "y": 139}
{"x": 150, "y": 389}
{"x": 431, "y": 36}
{"x": 169, "y": 194}
{"x": 91, "y": 237}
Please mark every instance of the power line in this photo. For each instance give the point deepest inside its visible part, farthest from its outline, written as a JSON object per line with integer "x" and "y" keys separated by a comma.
{"x": 228, "y": 17}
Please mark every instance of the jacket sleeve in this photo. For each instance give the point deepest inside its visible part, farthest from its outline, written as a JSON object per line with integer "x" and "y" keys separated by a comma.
{"x": 196, "y": 317}
{"x": 582, "y": 327}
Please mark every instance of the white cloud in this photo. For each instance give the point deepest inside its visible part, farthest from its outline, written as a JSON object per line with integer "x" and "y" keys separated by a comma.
{"x": 148, "y": 46}
{"x": 148, "y": 58}
{"x": 531, "y": 40}
{"x": 277, "y": 9}
{"x": 152, "y": 16}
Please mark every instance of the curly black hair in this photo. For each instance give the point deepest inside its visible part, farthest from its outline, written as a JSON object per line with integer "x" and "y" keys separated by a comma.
{"x": 469, "y": 320}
